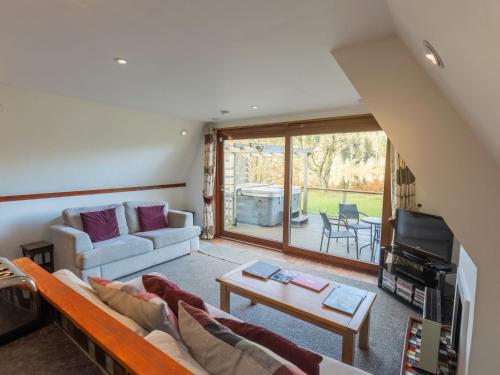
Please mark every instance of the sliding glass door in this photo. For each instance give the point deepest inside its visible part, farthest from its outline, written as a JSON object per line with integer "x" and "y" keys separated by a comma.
{"x": 253, "y": 188}
{"x": 337, "y": 193}
{"x": 314, "y": 188}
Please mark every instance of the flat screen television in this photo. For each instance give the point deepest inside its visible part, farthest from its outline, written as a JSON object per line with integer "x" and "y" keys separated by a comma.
{"x": 424, "y": 236}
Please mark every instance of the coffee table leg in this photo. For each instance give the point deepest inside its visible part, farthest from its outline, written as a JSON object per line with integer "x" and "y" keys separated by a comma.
{"x": 225, "y": 298}
{"x": 364, "y": 333}
{"x": 252, "y": 302}
{"x": 348, "y": 349}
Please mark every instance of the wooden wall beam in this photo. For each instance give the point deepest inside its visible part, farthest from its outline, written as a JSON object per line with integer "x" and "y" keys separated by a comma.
{"x": 25, "y": 197}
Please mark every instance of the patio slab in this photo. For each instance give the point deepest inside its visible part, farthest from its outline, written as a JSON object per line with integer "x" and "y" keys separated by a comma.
{"x": 308, "y": 236}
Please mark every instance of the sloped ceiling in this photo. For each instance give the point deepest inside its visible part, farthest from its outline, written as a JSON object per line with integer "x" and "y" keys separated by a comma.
{"x": 467, "y": 35}
{"x": 189, "y": 58}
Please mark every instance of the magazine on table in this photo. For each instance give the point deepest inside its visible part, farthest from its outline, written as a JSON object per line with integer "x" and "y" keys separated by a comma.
{"x": 345, "y": 298}
{"x": 261, "y": 270}
{"x": 284, "y": 276}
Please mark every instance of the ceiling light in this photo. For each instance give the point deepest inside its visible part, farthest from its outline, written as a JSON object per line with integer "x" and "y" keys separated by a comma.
{"x": 432, "y": 55}
{"x": 184, "y": 132}
{"x": 121, "y": 61}
{"x": 254, "y": 107}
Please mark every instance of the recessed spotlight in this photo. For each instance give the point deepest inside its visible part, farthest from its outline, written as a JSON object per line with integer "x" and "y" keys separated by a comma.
{"x": 254, "y": 107}
{"x": 121, "y": 61}
{"x": 432, "y": 55}
{"x": 184, "y": 132}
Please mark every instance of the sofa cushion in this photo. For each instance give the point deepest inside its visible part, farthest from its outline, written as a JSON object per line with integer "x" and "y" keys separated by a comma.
{"x": 100, "y": 225}
{"x": 133, "y": 217}
{"x": 152, "y": 218}
{"x": 111, "y": 250}
{"x": 171, "y": 293}
{"x": 302, "y": 358}
{"x": 147, "y": 309}
{"x": 220, "y": 351}
{"x": 79, "y": 286}
{"x": 175, "y": 350}
{"x": 71, "y": 216}
{"x": 169, "y": 236}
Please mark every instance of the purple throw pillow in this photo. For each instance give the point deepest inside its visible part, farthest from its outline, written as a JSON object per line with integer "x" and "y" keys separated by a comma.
{"x": 152, "y": 218}
{"x": 100, "y": 225}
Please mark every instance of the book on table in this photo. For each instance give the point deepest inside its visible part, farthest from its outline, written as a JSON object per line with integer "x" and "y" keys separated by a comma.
{"x": 284, "y": 276}
{"x": 345, "y": 298}
{"x": 261, "y": 270}
{"x": 316, "y": 284}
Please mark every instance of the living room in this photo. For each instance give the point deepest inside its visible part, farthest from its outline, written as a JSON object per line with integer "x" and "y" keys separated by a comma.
{"x": 132, "y": 110}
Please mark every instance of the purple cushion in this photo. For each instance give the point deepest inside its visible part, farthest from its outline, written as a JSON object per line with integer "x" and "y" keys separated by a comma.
{"x": 100, "y": 225}
{"x": 151, "y": 218}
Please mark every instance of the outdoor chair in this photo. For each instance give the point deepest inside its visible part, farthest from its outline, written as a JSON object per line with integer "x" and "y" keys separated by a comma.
{"x": 330, "y": 233}
{"x": 351, "y": 214}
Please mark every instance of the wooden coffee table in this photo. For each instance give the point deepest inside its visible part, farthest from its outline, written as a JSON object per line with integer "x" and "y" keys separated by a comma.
{"x": 301, "y": 303}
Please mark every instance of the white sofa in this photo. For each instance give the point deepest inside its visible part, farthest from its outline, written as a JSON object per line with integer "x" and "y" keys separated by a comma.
{"x": 163, "y": 341}
{"x": 132, "y": 251}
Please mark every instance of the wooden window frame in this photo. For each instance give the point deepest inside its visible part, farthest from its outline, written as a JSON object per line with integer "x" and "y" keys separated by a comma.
{"x": 346, "y": 124}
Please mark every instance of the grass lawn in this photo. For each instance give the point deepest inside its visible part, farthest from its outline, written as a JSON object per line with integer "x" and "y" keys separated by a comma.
{"x": 328, "y": 201}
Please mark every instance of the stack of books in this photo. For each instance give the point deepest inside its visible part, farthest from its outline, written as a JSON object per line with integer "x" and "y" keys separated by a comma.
{"x": 389, "y": 281}
{"x": 419, "y": 297}
{"x": 404, "y": 289}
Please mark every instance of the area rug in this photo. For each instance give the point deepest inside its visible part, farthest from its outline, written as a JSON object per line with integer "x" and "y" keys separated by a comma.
{"x": 197, "y": 273}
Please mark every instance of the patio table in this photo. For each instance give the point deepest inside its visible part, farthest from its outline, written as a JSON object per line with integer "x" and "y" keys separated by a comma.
{"x": 376, "y": 223}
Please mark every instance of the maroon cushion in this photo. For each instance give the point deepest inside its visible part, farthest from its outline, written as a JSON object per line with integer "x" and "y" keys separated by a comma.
{"x": 304, "y": 359}
{"x": 171, "y": 293}
{"x": 152, "y": 218}
{"x": 100, "y": 225}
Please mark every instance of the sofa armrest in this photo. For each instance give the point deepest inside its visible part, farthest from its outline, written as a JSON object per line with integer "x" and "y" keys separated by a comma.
{"x": 68, "y": 243}
{"x": 179, "y": 219}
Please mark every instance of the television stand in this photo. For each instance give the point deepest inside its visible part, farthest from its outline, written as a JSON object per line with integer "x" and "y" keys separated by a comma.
{"x": 408, "y": 280}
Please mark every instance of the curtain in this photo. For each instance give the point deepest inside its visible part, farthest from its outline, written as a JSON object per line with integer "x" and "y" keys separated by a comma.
{"x": 402, "y": 183}
{"x": 210, "y": 143}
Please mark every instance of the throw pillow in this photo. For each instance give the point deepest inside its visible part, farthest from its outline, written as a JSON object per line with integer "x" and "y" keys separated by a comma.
{"x": 151, "y": 218}
{"x": 100, "y": 225}
{"x": 175, "y": 350}
{"x": 147, "y": 309}
{"x": 222, "y": 352}
{"x": 302, "y": 358}
{"x": 171, "y": 293}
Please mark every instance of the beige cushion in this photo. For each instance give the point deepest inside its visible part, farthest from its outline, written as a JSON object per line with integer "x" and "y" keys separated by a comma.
{"x": 175, "y": 350}
{"x": 147, "y": 309}
{"x": 331, "y": 366}
{"x": 71, "y": 216}
{"x": 222, "y": 352}
{"x": 133, "y": 217}
{"x": 75, "y": 283}
{"x": 169, "y": 236}
{"x": 112, "y": 250}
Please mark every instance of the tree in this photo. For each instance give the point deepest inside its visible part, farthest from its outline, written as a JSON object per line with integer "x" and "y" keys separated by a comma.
{"x": 322, "y": 158}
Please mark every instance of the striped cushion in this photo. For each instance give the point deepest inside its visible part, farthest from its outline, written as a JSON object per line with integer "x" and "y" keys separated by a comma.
{"x": 222, "y": 352}
{"x": 147, "y": 309}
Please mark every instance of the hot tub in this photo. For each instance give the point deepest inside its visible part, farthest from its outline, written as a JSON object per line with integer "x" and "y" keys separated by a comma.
{"x": 262, "y": 204}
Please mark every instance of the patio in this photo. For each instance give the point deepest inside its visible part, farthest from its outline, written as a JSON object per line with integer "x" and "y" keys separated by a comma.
{"x": 308, "y": 236}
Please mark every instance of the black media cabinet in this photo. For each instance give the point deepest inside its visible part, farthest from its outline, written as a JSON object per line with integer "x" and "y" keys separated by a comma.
{"x": 417, "y": 272}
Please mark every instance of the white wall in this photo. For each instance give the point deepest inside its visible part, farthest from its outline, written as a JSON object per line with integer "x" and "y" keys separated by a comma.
{"x": 459, "y": 176}
{"x": 50, "y": 143}
{"x": 467, "y": 274}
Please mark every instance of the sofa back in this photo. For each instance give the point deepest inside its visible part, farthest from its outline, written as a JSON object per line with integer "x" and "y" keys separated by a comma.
{"x": 71, "y": 216}
{"x": 133, "y": 217}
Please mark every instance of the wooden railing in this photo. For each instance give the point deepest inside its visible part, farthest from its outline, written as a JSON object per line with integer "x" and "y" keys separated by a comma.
{"x": 346, "y": 190}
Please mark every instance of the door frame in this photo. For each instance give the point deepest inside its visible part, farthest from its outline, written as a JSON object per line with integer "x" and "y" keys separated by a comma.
{"x": 345, "y": 124}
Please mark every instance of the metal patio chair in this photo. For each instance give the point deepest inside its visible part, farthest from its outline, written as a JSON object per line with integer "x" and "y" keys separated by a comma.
{"x": 330, "y": 233}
